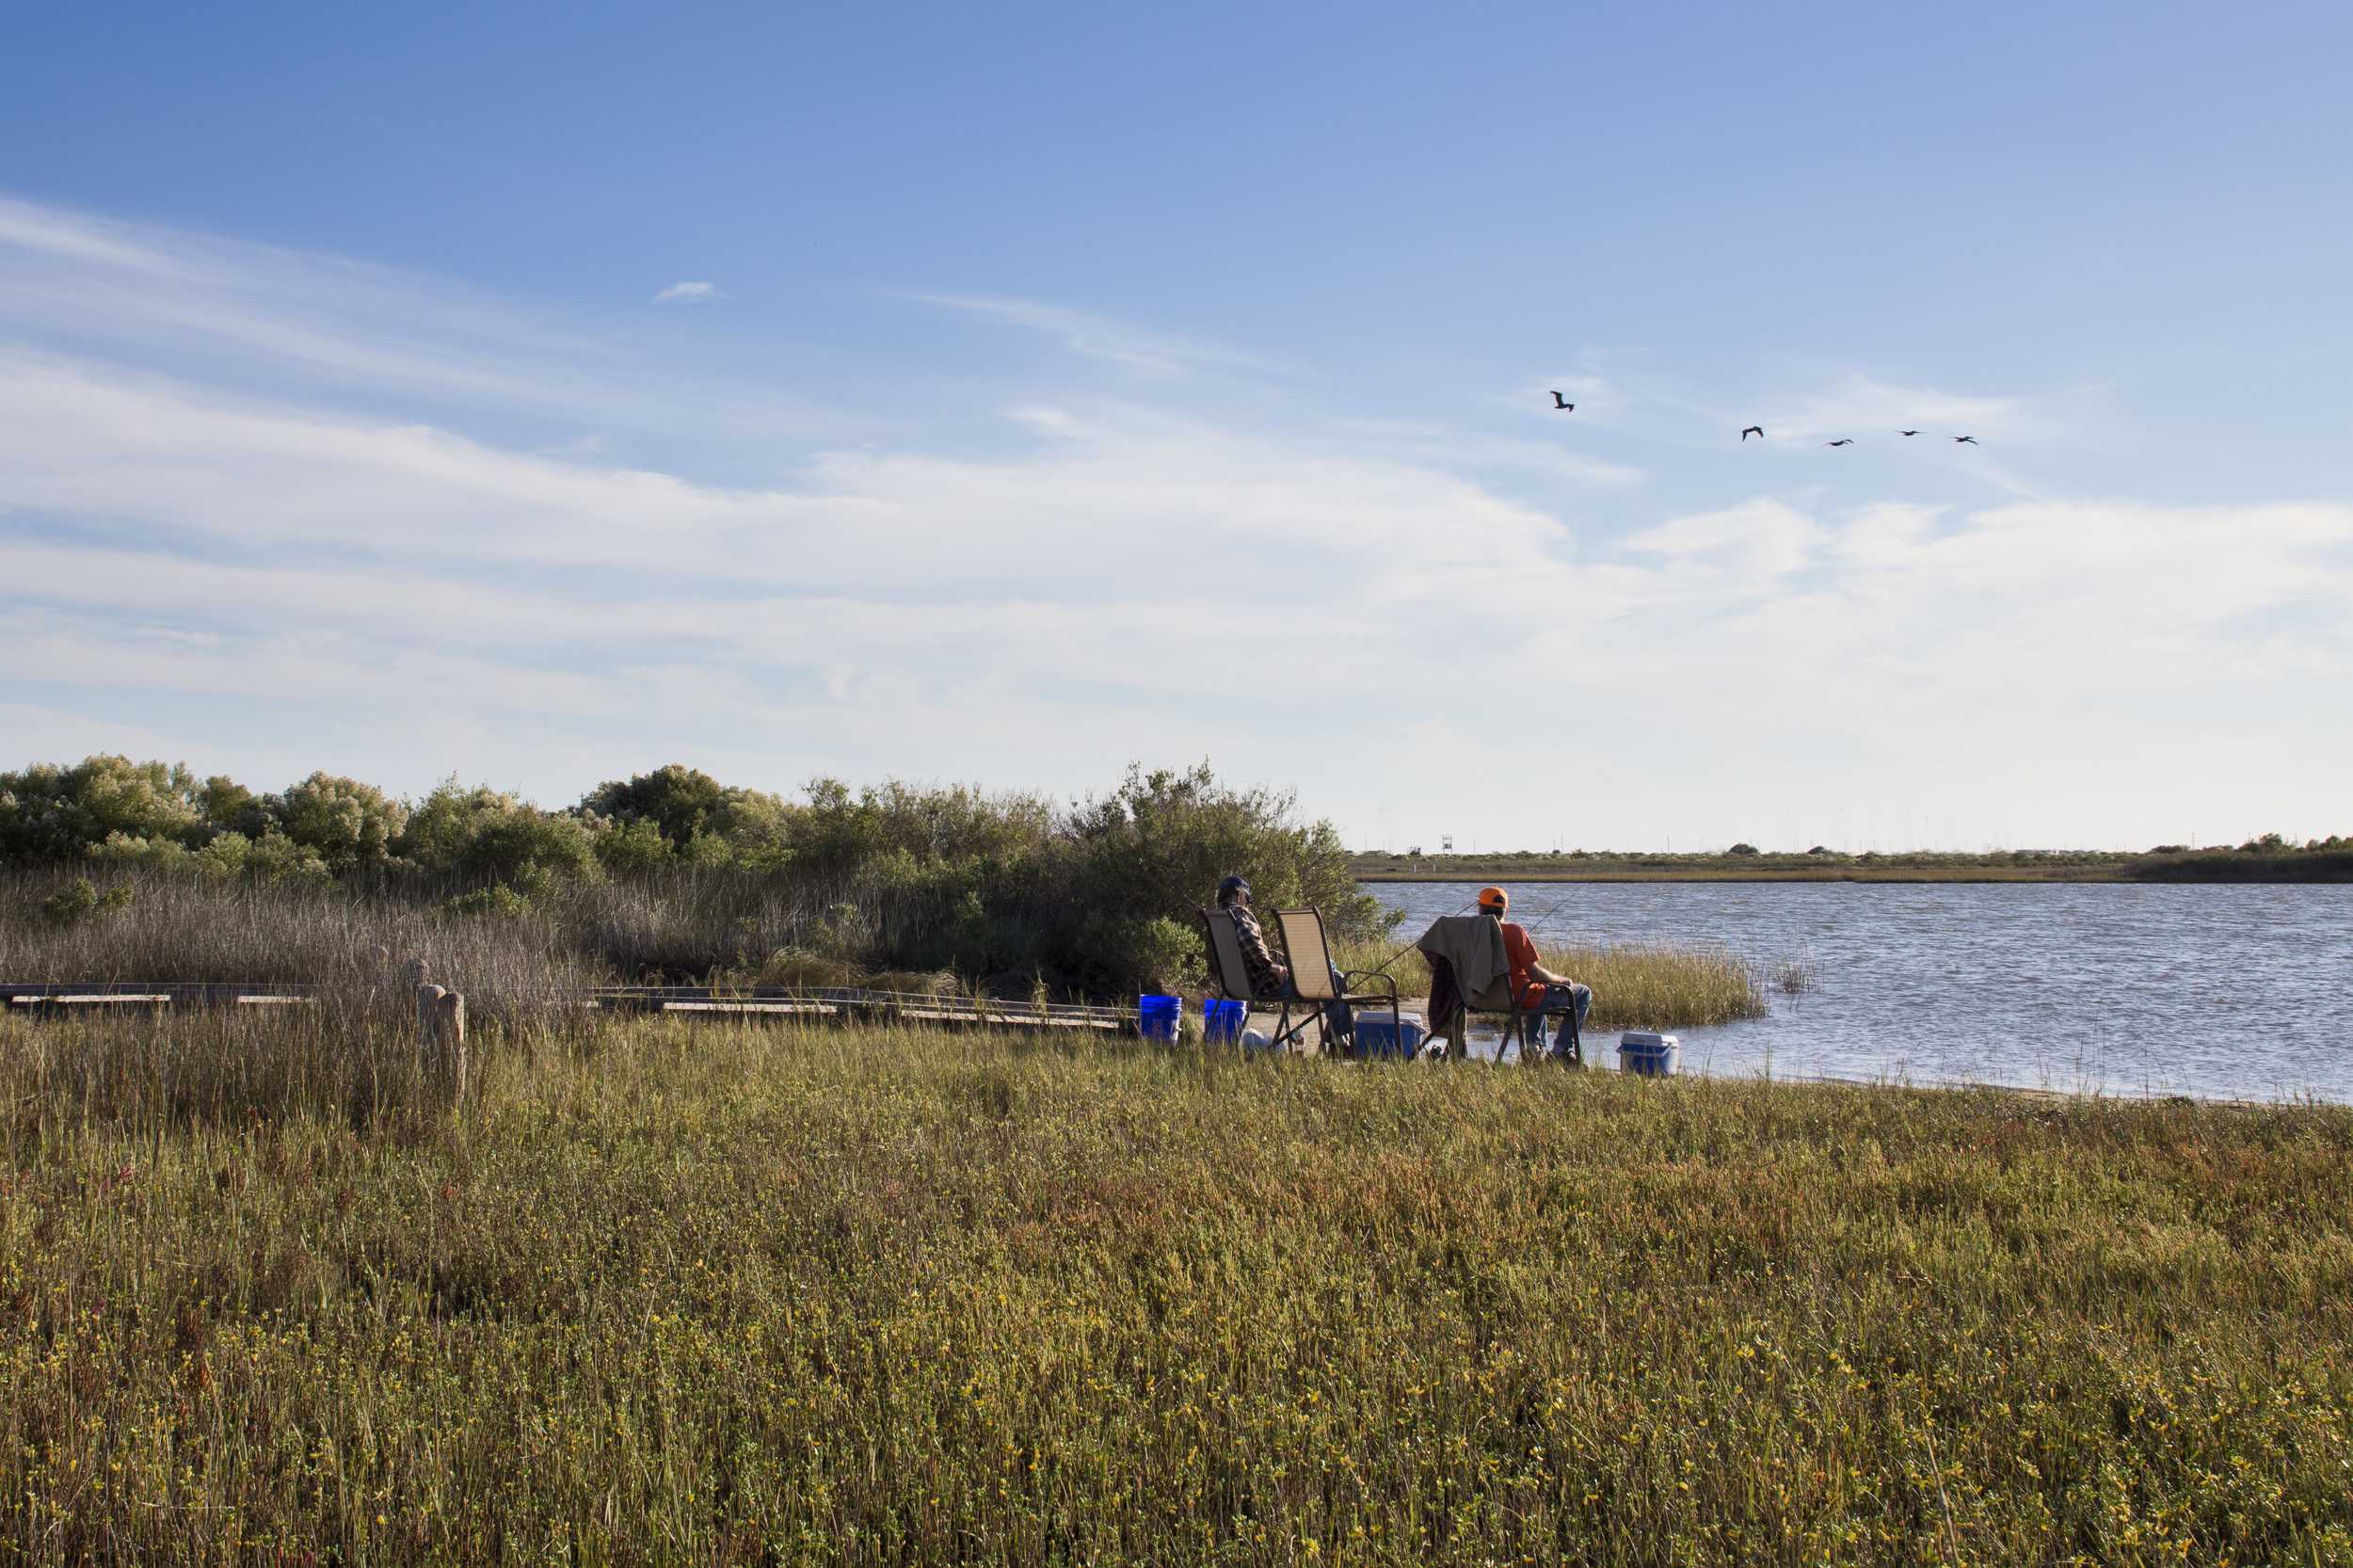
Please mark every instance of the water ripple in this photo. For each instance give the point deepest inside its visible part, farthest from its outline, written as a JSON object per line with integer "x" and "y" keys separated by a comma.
{"x": 2232, "y": 992}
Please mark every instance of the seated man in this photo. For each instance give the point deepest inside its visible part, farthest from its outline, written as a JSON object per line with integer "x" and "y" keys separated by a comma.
{"x": 1539, "y": 989}
{"x": 1268, "y": 976}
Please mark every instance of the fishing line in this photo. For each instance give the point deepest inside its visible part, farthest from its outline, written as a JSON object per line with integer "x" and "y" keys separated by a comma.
{"x": 1409, "y": 947}
{"x": 1542, "y": 915}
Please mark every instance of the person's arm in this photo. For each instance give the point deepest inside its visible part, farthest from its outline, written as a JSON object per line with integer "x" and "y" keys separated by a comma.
{"x": 1538, "y": 972}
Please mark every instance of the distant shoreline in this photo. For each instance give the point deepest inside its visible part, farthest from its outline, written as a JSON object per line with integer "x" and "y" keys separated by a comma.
{"x": 2330, "y": 861}
{"x": 1501, "y": 874}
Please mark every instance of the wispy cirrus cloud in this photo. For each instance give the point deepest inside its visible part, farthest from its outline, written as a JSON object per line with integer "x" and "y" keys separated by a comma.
{"x": 287, "y": 323}
{"x": 1866, "y": 407}
{"x": 1101, "y": 337}
{"x": 689, "y": 293}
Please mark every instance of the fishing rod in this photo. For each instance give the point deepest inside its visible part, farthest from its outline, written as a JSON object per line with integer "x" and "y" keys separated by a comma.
{"x": 1538, "y": 918}
{"x": 1409, "y": 947}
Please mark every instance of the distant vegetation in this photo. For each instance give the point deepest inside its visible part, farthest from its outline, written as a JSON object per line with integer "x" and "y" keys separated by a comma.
{"x": 118, "y": 870}
{"x": 750, "y": 1295}
{"x": 2268, "y": 859}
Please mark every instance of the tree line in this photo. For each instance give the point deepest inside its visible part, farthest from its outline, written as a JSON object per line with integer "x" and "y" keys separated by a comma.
{"x": 1091, "y": 894}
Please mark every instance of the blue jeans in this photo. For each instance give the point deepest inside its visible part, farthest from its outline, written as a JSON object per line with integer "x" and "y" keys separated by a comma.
{"x": 1571, "y": 998}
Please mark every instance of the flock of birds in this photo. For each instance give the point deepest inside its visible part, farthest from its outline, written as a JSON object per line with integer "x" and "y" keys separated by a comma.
{"x": 1564, "y": 405}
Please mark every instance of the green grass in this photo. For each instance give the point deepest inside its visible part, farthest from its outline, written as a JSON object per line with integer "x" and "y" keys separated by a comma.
{"x": 672, "y": 1293}
{"x": 1640, "y": 986}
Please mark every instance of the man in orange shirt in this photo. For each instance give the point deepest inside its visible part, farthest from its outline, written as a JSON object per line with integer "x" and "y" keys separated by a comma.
{"x": 1539, "y": 989}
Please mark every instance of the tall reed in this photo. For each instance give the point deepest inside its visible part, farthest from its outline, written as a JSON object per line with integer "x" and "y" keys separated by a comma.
{"x": 1636, "y": 986}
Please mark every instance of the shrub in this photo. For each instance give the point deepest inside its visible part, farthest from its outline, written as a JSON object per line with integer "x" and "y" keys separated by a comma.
{"x": 920, "y": 983}
{"x": 628, "y": 848}
{"x": 496, "y": 902}
{"x": 1741, "y": 849}
{"x": 1158, "y": 955}
{"x": 1000, "y": 887}
{"x": 79, "y": 900}
{"x": 52, "y": 813}
{"x": 345, "y": 824}
{"x": 703, "y": 820}
{"x": 1155, "y": 849}
{"x": 275, "y": 857}
{"x": 797, "y": 967}
{"x": 485, "y": 836}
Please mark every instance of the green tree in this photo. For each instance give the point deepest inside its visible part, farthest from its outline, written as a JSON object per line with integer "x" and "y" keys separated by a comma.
{"x": 1154, "y": 850}
{"x": 345, "y": 823}
{"x": 626, "y": 847}
{"x": 487, "y": 836}
{"x": 702, "y": 821}
{"x": 679, "y": 801}
{"x": 53, "y": 813}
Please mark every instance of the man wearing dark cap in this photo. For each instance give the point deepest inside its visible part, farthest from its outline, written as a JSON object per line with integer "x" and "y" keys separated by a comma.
{"x": 1268, "y": 976}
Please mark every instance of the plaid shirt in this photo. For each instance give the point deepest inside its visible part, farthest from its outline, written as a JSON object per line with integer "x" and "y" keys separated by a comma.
{"x": 1267, "y": 976}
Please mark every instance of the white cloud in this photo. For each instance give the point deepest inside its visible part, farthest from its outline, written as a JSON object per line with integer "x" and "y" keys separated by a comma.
{"x": 688, "y": 294}
{"x": 1102, "y": 337}
{"x": 1867, "y": 409}
{"x": 146, "y": 296}
{"x": 1749, "y": 547}
{"x": 1128, "y": 590}
{"x": 1348, "y": 608}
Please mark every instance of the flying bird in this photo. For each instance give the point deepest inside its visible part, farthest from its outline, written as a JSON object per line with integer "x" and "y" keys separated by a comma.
{"x": 1562, "y": 403}
{"x": 1748, "y": 430}
{"x": 1971, "y": 439}
{"x": 1907, "y": 432}
{"x": 1848, "y": 441}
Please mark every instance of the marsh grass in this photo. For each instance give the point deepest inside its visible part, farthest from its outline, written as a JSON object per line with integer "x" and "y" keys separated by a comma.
{"x": 527, "y": 962}
{"x": 182, "y": 929}
{"x": 1636, "y": 986}
{"x": 671, "y": 1294}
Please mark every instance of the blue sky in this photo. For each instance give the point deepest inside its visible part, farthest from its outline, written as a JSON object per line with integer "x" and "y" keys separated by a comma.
{"x": 1073, "y": 385}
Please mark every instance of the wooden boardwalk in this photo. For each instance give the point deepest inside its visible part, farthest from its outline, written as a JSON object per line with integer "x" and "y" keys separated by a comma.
{"x": 846, "y": 1004}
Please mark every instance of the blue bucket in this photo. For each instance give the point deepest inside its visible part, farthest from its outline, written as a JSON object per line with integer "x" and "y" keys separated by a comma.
{"x": 1221, "y": 1020}
{"x": 1157, "y": 1017}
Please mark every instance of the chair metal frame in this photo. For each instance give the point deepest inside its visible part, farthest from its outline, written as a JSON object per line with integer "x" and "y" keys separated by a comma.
{"x": 1310, "y": 948}
{"x": 1310, "y": 989}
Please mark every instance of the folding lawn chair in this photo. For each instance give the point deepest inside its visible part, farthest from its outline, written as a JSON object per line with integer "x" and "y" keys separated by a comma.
{"x": 1479, "y": 942}
{"x": 1310, "y": 953}
{"x": 1311, "y": 956}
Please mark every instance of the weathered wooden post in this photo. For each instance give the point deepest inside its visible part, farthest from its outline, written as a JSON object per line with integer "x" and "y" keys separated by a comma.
{"x": 417, "y": 970}
{"x": 450, "y": 1019}
{"x": 441, "y": 1031}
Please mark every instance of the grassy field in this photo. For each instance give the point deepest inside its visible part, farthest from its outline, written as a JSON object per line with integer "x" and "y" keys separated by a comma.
{"x": 687, "y": 1295}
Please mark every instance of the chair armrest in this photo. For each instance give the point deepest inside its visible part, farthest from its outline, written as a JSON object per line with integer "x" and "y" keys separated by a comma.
{"x": 1349, "y": 977}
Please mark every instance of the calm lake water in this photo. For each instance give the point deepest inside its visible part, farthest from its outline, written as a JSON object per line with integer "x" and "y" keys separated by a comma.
{"x": 2231, "y": 992}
